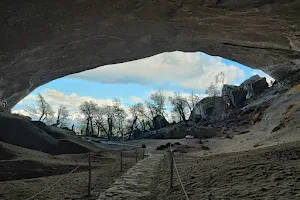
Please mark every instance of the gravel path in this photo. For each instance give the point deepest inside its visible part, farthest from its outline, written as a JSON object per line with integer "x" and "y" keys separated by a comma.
{"x": 137, "y": 182}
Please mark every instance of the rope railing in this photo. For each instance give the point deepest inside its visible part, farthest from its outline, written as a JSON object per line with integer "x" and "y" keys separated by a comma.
{"x": 180, "y": 180}
{"x": 177, "y": 172}
{"x": 53, "y": 184}
{"x": 96, "y": 158}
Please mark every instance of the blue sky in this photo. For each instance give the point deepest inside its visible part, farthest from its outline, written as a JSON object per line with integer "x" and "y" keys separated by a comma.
{"x": 134, "y": 81}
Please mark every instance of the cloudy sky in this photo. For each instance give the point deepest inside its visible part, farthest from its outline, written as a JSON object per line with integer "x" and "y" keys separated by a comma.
{"x": 134, "y": 81}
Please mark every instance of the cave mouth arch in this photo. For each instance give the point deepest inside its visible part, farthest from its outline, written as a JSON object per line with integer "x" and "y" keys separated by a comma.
{"x": 43, "y": 41}
{"x": 133, "y": 81}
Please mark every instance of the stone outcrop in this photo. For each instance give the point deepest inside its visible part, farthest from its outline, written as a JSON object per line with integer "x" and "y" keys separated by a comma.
{"x": 254, "y": 85}
{"x": 160, "y": 122}
{"x": 234, "y": 95}
{"x": 211, "y": 109}
{"x": 45, "y": 40}
{"x": 204, "y": 132}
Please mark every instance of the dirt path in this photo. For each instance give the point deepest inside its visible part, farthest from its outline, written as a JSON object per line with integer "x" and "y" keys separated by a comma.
{"x": 105, "y": 170}
{"x": 271, "y": 173}
{"x": 136, "y": 183}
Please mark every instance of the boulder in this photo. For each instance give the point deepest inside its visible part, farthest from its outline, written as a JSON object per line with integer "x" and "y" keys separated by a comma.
{"x": 160, "y": 122}
{"x": 234, "y": 95}
{"x": 21, "y": 132}
{"x": 177, "y": 132}
{"x": 137, "y": 133}
{"x": 212, "y": 109}
{"x": 254, "y": 85}
{"x": 204, "y": 132}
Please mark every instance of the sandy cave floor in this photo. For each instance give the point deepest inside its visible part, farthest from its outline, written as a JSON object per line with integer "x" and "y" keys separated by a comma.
{"x": 265, "y": 173}
{"x": 105, "y": 170}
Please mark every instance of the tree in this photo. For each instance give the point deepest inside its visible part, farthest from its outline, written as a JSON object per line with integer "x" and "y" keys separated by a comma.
{"x": 89, "y": 110}
{"x": 193, "y": 99}
{"x": 62, "y": 115}
{"x": 120, "y": 116}
{"x": 137, "y": 112}
{"x": 109, "y": 115}
{"x": 157, "y": 103}
{"x": 41, "y": 109}
{"x": 180, "y": 105}
{"x": 214, "y": 87}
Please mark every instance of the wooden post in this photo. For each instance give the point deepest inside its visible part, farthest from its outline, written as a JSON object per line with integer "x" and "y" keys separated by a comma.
{"x": 90, "y": 174}
{"x": 136, "y": 156}
{"x": 171, "y": 169}
{"x": 121, "y": 168}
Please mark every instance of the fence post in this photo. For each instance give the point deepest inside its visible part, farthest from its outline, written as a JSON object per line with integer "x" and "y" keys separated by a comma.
{"x": 136, "y": 156}
{"x": 171, "y": 168}
{"x": 121, "y": 167}
{"x": 90, "y": 174}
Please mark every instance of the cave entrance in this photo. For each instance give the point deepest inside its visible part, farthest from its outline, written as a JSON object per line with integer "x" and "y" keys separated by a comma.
{"x": 133, "y": 82}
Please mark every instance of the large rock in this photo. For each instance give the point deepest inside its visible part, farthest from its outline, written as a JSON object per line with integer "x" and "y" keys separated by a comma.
{"x": 234, "y": 95}
{"x": 204, "y": 132}
{"x": 212, "y": 109}
{"x": 21, "y": 132}
{"x": 254, "y": 85}
{"x": 160, "y": 122}
{"x": 45, "y": 40}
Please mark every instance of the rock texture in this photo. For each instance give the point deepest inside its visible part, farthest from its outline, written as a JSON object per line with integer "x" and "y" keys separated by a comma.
{"x": 254, "y": 85}
{"x": 234, "y": 95}
{"x": 210, "y": 109}
{"x": 45, "y": 40}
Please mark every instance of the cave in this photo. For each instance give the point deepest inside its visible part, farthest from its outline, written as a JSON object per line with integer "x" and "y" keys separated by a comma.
{"x": 45, "y": 40}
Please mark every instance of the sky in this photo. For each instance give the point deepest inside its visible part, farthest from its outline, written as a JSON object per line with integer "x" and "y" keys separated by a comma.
{"x": 134, "y": 81}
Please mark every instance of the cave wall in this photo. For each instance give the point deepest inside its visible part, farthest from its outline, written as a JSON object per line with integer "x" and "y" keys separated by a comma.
{"x": 44, "y": 40}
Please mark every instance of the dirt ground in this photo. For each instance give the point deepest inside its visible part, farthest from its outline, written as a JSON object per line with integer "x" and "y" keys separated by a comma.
{"x": 106, "y": 167}
{"x": 266, "y": 173}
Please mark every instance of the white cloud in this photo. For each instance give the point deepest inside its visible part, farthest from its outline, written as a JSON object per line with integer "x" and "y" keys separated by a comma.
{"x": 135, "y": 99}
{"x": 56, "y": 98}
{"x": 192, "y": 71}
{"x": 22, "y": 112}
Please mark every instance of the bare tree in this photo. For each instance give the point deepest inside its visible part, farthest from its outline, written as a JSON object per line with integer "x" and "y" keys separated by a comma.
{"x": 41, "y": 109}
{"x": 108, "y": 116}
{"x": 89, "y": 110}
{"x": 100, "y": 123}
{"x": 62, "y": 115}
{"x": 158, "y": 103}
{"x": 137, "y": 112}
{"x": 181, "y": 106}
{"x": 214, "y": 87}
{"x": 193, "y": 100}
{"x": 120, "y": 116}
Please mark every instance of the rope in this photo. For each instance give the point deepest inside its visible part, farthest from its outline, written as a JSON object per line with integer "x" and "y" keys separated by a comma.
{"x": 64, "y": 177}
{"x": 178, "y": 175}
{"x": 180, "y": 180}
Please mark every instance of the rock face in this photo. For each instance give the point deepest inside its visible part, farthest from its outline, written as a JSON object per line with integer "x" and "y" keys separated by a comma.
{"x": 212, "y": 109}
{"x": 136, "y": 133}
{"x": 254, "y": 85}
{"x": 234, "y": 95}
{"x": 204, "y": 132}
{"x": 160, "y": 122}
{"x": 45, "y": 40}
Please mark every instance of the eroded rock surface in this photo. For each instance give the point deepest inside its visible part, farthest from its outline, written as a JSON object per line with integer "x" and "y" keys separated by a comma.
{"x": 255, "y": 85}
{"x": 44, "y": 40}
